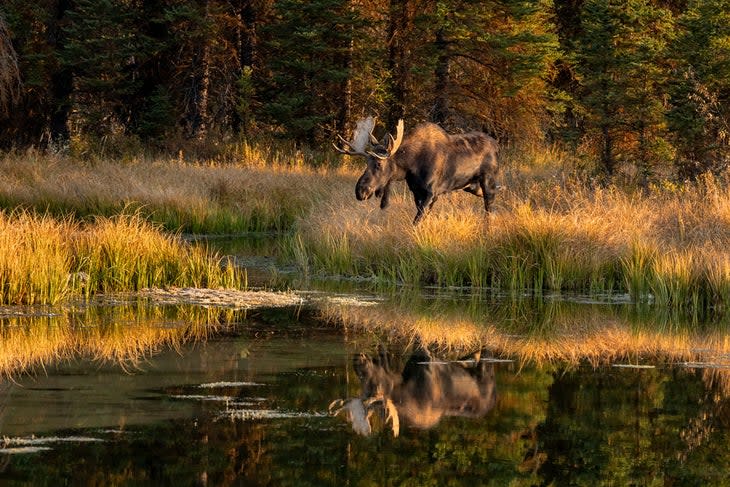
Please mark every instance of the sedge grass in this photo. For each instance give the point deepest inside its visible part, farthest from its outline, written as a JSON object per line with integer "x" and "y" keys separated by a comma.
{"x": 549, "y": 232}
{"x": 44, "y": 260}
{"x": 247, "y": 195}
{"x": 670, "y": 246}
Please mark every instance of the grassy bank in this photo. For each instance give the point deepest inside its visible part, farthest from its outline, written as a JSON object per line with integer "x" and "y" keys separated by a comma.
{"x": 549, "y": 231}
{"x": 44, "y": 260}
{"x": 263, "y": 190}
{"x": 669, "y": 246}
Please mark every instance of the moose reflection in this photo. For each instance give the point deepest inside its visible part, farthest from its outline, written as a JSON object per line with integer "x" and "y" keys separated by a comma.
{"x": 420, "y": 395}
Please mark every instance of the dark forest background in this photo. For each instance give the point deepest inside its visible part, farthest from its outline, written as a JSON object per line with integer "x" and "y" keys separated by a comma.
{"x": 638, "y": 84}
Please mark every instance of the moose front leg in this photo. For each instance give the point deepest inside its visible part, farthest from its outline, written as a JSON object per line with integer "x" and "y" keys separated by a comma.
{"x": 385, "y": 196}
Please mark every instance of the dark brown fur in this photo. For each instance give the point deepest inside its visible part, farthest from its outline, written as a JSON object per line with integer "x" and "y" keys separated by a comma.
{"x": 432, "y": 163}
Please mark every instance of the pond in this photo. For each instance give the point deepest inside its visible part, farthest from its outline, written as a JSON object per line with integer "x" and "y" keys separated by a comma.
{"x": 129, "y": 391}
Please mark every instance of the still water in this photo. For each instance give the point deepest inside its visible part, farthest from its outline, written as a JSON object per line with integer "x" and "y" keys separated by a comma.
{"x": 129, "y": 392}
{"x": 254, "y": 404}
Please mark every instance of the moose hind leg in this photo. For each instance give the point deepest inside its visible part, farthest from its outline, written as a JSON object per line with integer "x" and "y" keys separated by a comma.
{"x": 489, "y": 191}
{"x": 424, "y": 200}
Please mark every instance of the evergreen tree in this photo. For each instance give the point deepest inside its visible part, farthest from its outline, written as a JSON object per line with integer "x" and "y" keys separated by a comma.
{"x": 622, "y": 80}
{"x": 700, "y": 95}
{"x": 488, "y": 64}
{"x": 308, "y": 45}
{"x": 103, "y": 49}
{"x": 9, "y": 73}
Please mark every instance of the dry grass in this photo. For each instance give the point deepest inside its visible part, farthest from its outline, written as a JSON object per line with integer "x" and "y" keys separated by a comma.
{"x": 252, "y": 195}
{"x": 549, "y": 231}
{"x": 669, "y": 246}
{"x": 44, "y": 260}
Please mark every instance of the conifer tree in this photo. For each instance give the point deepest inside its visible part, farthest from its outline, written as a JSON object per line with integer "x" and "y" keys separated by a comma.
{"x": 700, "y": 94}
{"x": 623, "y": 80}
{"x": 308, "y": 46}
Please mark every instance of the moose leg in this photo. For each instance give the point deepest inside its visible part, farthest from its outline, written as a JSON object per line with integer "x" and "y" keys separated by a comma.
{"x": 424, "y": 200}
{"x": 489, "y": 190}
{"x": 385, "y": 196}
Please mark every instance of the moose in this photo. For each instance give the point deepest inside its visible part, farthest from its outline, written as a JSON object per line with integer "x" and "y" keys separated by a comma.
{"x": 419, "y": 396}
{"x": 431, "y": 161}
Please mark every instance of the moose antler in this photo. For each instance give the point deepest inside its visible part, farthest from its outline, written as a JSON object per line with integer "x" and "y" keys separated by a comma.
{"x": 391, "y": 143}
{"x": 362, "y": 135}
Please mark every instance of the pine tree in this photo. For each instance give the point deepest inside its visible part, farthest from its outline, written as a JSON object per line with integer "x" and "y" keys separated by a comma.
{"x": 700, "y": 95}
{"x": 9, "y": 72}
{"x": 308, "y": 47}
{"x": 622, "y": 77}
{"x": 103, "y": 49}
{"x": 488, "y": 64}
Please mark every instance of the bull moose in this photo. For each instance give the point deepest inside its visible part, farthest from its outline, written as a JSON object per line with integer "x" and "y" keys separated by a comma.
{"x": 431, "y": 161}
{"x": 419, "y": 396}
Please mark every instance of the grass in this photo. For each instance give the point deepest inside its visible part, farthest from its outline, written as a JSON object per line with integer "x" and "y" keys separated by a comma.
{"x": 44, "y": 260}
{"x": 550, "y": 231}
{"x": 669, "y": 246}
{"x": 252, "y": 194}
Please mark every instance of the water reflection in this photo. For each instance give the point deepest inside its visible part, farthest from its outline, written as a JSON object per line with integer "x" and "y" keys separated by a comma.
{"x": 421, "y": 393}
{"x": 123, "y": 334}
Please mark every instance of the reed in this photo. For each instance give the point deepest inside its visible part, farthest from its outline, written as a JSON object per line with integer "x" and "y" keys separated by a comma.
{"x": 44, "y": 260}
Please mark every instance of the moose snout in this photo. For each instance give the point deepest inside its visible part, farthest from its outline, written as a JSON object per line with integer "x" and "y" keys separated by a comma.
{"x": 363, "y": 193}
{"x": 363, "y": 190}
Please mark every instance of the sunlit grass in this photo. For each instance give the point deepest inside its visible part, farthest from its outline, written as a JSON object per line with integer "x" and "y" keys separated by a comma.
{"x": 550, "y": 230}
{"x": 44, "y": 260}
{"x": 257, "y": 189}
{"x": 670, "y": 246}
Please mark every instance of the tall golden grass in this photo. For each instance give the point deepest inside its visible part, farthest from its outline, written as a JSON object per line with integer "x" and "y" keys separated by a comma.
{"x": 258, "y": 192}
{"x": 44, "y": 260}
{"x": 550, "y": 231}
{"x": 670, "y": 246}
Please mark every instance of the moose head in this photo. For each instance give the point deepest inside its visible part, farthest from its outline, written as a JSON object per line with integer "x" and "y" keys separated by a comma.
{"x": 380, "y": 171}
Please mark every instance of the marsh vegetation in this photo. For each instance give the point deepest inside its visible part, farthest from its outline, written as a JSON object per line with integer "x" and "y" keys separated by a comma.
{"x": 550, "y": 231}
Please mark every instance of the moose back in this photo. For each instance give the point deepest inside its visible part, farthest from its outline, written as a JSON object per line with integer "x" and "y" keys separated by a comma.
{"x": 431, "y": 161}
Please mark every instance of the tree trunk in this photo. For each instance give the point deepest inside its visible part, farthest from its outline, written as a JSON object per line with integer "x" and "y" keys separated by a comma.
{"x": 61, "y": 81}
{"x": 398, "y": 65}
{"x": 199, "y": 118}
{"x": 440, "y": 114}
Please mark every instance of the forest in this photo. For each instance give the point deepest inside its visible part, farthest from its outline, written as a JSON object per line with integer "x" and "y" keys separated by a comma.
{"x": 636, "y": 90}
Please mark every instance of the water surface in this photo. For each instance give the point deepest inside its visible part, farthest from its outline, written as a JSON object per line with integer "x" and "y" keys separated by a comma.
{"x": 129, "y": 392}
